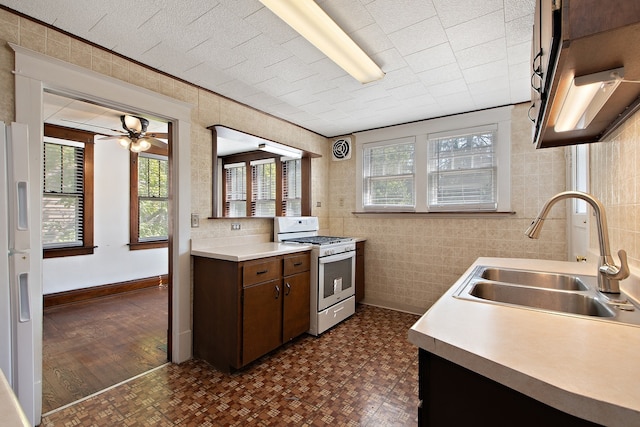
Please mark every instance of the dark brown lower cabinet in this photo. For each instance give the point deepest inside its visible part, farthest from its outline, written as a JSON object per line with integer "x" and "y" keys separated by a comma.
{"x": 261, "y": 320}
{"x": 296, "y": 312}
{"x": 243, "y": 310}
{"x": 451, "y": 395}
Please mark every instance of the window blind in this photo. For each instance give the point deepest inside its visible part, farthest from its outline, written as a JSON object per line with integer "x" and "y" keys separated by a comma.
{"x": 462, "y": 172}
{"x": 63, "y": 195}
{"x": 263, "y": 191}
{"x": 291, "y": 187}
{"x": 235, "y": 204}
{"x": 389, "y": 175}
{"x": 153, "y": 201}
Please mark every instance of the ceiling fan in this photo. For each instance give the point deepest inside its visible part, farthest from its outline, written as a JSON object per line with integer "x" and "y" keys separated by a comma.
{"x": 137, "y": 139}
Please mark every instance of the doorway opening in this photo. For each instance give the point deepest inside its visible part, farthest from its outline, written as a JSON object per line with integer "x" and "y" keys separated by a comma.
{"x": 106, "y": 307}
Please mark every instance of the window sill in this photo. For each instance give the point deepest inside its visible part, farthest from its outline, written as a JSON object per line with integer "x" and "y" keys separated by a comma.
{"x": 148, "y": 245}
{"x": 457, "y": 214}
{"x": 64, "y": 252}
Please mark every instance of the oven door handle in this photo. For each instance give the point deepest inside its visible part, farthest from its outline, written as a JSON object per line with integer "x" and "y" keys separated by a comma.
{"x": 337, "y": 257}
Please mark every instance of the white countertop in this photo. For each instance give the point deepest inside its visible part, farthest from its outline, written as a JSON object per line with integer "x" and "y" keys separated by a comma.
{"x": 246, "y": 252}
{"x": 588, "y": 368}
{"x": 12, "y": 414}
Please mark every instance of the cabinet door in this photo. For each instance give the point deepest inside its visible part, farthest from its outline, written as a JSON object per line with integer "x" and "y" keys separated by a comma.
{"x": 296, "y": 312}
{"x": 261, "y": 319}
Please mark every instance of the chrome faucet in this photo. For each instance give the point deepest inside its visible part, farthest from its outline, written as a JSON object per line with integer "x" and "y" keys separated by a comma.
{"x": 609, "y": 275}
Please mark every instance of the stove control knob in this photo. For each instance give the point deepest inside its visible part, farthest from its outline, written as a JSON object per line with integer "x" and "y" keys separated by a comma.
{"x": 331, "y": 251}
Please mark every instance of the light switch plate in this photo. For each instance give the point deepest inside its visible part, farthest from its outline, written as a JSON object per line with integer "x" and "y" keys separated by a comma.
{"x": 195, "y": 221}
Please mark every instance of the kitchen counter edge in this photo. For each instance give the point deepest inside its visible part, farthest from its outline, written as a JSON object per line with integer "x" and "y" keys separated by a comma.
{"x": 247, "y": 252}
{"x": 554, "y": 358}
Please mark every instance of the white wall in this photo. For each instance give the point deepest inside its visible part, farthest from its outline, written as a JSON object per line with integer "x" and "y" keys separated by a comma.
{"x": 112, "y": 261}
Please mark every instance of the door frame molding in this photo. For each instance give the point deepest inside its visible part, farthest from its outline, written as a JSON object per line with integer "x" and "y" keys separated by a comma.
{"x": 34, "y": 73}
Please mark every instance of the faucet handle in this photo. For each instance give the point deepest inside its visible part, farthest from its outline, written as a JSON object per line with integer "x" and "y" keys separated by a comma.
{"x": 617, "y": 273}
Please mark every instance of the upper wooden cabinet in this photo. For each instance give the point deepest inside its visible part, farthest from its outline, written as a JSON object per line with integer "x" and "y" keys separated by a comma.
{"x": 573, "y": 38}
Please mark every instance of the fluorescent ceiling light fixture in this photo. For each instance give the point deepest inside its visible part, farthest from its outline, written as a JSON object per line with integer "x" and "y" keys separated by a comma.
{"x": 308, "y": 19}
{"x": 586, "y": 96}
{"x": 280, "y": 149}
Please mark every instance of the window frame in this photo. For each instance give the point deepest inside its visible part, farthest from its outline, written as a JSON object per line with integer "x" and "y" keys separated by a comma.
{"x": 422, "y": 132}
{"x": 134, "y": 207}
{"x": 218, "y": 180}
{"x": 87, "y": 138}
{"x": 260, "y": 156}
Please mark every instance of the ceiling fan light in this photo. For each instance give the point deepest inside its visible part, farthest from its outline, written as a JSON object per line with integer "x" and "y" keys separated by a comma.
{"x": 132, "y": 123}
{"x": 124, "y": 142}
{"x": 144, "y": 144}
{"x": 136, "y": 147}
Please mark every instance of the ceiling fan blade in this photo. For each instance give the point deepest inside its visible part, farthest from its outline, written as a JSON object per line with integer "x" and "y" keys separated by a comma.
{"x": 160, "y": 135}
{"x": 110, "y": 138}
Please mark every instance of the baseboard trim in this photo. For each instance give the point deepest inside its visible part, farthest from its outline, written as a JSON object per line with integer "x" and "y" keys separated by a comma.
{"x": 84, "y": 294}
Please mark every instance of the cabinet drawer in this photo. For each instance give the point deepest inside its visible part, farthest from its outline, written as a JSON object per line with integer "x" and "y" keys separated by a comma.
{"x": 295, "y": 264}
{"x": 260, "y": 271}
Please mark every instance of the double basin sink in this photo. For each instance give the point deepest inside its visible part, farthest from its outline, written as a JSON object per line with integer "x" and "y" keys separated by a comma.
{"x": 549, "y": 292}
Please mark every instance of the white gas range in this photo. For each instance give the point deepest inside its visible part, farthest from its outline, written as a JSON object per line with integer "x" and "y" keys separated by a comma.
{"x": 332, "y": 270}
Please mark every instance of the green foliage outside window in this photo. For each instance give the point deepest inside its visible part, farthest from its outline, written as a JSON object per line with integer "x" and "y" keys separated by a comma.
{"x": 153, "y": 202}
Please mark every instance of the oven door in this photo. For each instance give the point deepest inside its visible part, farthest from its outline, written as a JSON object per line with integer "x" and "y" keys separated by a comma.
{"x": 336, "y": 278}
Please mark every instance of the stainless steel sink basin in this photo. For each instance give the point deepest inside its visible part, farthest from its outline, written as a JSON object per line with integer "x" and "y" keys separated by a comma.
{"x": 536, "y": 279}
{"x": 565, "y": 302}
{"x": 548, "y": 292}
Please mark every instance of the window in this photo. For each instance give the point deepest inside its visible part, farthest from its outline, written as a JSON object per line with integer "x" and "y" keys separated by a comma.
{"x": 258, "y": 186}
{"x": 389, "y": 175}
{"x": 235, "y": 203}
{"x": 67, "y": 192}
{"x": 263, "y": 188}
{"x": 291, "y": 187}
{"x": 462, "y": 171}
{"x": 149, "y": 200}
{"x": 453, "y": 164}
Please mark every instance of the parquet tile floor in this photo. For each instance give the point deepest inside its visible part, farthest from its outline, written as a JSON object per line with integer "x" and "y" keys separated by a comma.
{"x": 362, "y": 372}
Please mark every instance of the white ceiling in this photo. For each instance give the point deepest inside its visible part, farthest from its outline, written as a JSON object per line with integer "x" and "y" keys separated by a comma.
{"x": 440, "y": 56}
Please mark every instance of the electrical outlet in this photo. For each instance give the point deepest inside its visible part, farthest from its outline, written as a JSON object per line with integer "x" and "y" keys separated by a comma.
{"x": 235, "y": 226}
{"x": 318, "y": 204}
{"x": 195, "y": 221}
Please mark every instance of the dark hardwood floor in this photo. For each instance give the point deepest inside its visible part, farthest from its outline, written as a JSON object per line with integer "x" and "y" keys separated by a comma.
{"x": 89, "y": 346}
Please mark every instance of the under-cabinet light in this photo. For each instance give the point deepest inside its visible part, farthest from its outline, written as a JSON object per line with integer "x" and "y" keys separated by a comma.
{"x": 281, "y": 150}
{"x": 586, "y": 96}
{"x": 308, "y": 19}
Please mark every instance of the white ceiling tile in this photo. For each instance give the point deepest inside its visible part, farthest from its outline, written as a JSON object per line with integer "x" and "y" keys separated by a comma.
{"x": 456, "y": 12}
{"x": 519, "y": 30}
{"x": 477, "y": 31}
{"x": 434, "y": 57}
{"x": 372, "y": 39}
{"x": 350, "y": 15}
{"x": 482, "y": 54}
{"x": 487, "y": 71}
{"x": 519, "y": 53}
{"x": 393, "y": 15}
{"x": 243, "y": 51}
{"x": 441, "y": 74}
{"x": 396, "y": 78}
{"x": 429, "y": 32}
{"x": 389, "y": 60}
{"x": 292, "y": 70}
{"x": 268, "y": 23}
{"x": 303, "y": 50}
{"x": 448, "y": 88}
{"x": 514, "y": 9}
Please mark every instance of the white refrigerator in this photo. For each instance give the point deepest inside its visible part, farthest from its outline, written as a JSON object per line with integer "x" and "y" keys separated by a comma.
{"x": 20, "y": 310}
